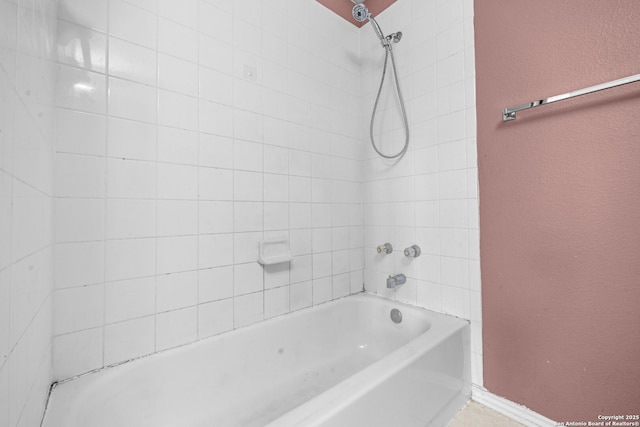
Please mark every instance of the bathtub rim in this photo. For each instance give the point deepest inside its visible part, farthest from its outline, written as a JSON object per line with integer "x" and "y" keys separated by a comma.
{"x": 330, "y": 402}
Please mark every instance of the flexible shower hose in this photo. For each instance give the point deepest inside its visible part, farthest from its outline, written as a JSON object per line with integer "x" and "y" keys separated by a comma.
{"x": 388, "y": 52}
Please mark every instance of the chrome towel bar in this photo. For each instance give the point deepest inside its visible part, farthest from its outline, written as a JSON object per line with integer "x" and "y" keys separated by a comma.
{"x": 510, "y": 113}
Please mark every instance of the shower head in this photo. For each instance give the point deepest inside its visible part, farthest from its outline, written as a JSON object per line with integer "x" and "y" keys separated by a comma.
{"x": 360, "y": 12}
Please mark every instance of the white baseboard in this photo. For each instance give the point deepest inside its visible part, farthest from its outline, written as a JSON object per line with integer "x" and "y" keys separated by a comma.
{"x": 517, "y": 412}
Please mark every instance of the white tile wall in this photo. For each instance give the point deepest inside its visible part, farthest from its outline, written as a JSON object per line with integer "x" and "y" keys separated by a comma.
{"x": 430, "y": 197}
{"x": 184, "y": 135}
{"x": 187, "y": 134}
{"x": 27, "y": 87}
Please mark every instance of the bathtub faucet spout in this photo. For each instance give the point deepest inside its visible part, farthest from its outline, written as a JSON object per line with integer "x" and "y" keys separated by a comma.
{"x": 398, "y": 279}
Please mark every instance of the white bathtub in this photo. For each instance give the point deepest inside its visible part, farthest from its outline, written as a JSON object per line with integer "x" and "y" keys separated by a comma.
{"x": 343, "y": 363}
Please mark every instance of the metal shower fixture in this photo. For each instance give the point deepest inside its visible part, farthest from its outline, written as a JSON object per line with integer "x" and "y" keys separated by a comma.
{"x": 361, "y": 13}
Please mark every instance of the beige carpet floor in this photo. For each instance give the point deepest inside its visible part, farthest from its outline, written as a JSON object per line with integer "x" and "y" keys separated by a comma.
{"x": 477, "y": 415}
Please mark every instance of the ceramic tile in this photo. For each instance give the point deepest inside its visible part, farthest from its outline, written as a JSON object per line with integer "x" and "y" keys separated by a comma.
{"x": 247, "y": 125}
{"x": 248, "y": 156}
{"x": 81, "y": 90}
{"x": 178, "y": 75}
{"x": 133, "y": 101}
{"x": 77, "y": 309}
{"x": 177, "y": 146}
{"x": 30, "y": 86}
{"x": 177, "y": 217}
{"x": 322, "y": 290}
{"x": 79, "y": 220}
{"x": 300, "y": 295}
{"x": 133, "y": 140}
{"x": 276, "y": 188}
{"x": 177, "y": 40}
{"x": 130, "y": 299}
{"x": 276, "y": 216}
{"x": 215, "y": 151}
{"x": 215, "y": 184}
{"x": 88, "y": 13}
{"x": 177, "y": 182}
{"x": 215, "y": 22}
{"x": 130, "y": 218}
{"x": 215, "y": 318}
{"x": 177, "y": 254}
{"x": 177, "y": 110}
{"x": 176, "y": 328}
{"x": 80, "y": 133}
{"x": 215, "y": 217}
{"x": 79, "y": 264}
{"x": 248, "y": 216}
{"x": 81, "y": 47}
{"x": 133, "y": 24}
{"x": 77, "y": 353}
{"x": 185, "y": 13}
{"x": 79, "y": 176}
{"x": 215, "y": 119}
{"x": 5, "y": 317}
{"x": 215, "y": 250}
{"x": 248, "y": 309}
{"x": 215, "y": 54}
{"x": 215, "y": 86}
{"x": 130, "y": 179}
{"x": 130, "y": 258}
{"x": 247, "y": 278}
{"x": 128, "y": 340}
{"x": 215, "y": 284}
{"x": 207, "y": 160}
{"x": 276, "y": 302}
{"x": 132, "y": 62}
{"x": 174, "y": 291}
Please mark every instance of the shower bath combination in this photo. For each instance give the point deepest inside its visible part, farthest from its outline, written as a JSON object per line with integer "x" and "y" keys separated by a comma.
{"x": 361, "y": 13}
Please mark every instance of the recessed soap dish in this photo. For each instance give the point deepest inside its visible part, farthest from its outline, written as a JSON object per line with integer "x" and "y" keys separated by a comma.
{"x": 274, "y": 251}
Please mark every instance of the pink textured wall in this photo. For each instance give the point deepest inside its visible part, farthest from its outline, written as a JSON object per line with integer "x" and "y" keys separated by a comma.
{"x": 560, "y": 205}
{"x": 344, "y": 7}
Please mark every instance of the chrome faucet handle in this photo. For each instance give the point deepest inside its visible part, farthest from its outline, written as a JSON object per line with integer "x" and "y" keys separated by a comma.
{"x": 412, "y": 251}
{"x": 385, "y": 249}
